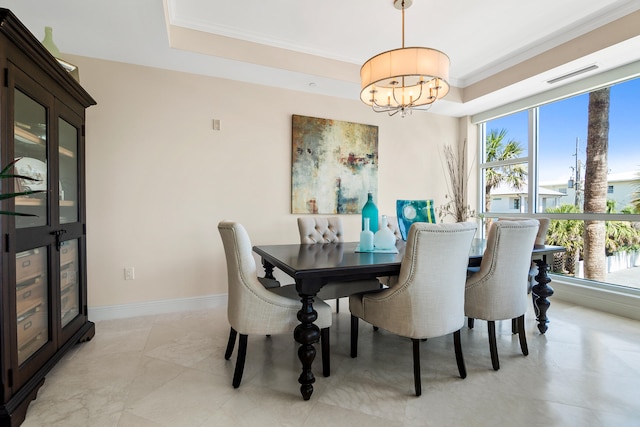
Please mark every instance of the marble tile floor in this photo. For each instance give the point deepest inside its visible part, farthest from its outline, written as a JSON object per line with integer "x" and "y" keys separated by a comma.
{"x": 169, "y": 370}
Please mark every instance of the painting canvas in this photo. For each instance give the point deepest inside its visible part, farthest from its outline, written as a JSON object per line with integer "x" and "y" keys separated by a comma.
{"x": 334, "y": 165}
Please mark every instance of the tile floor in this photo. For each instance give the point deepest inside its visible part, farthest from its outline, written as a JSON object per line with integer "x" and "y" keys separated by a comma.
{"x": 169, "y": 370}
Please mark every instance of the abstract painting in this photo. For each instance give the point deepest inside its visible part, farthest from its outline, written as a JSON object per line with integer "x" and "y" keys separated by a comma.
{"x": 334, "y": 165}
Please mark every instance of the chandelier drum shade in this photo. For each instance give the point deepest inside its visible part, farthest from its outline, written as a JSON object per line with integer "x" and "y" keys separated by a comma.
{"x": 405, "y": 79}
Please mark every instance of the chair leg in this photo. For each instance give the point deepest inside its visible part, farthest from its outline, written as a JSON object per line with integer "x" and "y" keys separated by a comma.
{"x": 416, "y": 366}
{"x": 230, "y": 344}
{"x": 514, "y": 325}
{"x": 493, "y": 348}
{"x": 242, "y": 355}
{"x": 459, "y": 357}
{"x": 337, "y": 305}
{"x": 326, "y": 356}
{"x": 354, "y": 336}
{"x": 522, "y": 336}
{"x": 470, "y": 322}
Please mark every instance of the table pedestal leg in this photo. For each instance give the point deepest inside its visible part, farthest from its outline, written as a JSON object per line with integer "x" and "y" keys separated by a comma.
{"x": 541, "y": 291}
{"x": 307, "y": 334}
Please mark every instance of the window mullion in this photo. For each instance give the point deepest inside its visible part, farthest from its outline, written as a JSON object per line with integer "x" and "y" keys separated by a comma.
{"x": 532, "y": 162}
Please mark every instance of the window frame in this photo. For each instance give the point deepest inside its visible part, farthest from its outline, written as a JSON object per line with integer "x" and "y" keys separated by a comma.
{"x": 531, "y": 160}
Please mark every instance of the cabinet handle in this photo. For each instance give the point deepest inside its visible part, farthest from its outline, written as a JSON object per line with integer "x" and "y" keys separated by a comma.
{"x": 58, "y": 234}
{"x": 26, "y": 263}
{"x": 27, "y": 325}
{"x": 26, "y": 294}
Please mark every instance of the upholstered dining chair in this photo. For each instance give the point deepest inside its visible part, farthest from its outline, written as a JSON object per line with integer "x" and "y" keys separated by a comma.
{"x": 498, "y": 291}
{"x": 428, "y": 300}
{"x": 541, "y": 238}
{"x": 253, "y": 309}
{"x": 321, "y": 230}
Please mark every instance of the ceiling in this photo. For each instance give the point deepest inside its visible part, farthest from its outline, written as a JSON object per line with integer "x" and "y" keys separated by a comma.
{"x": 319, "y": 46}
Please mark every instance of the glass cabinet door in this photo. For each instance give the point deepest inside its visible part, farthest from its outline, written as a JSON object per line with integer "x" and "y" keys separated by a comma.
{"x": 68, "y": 185}
{"x": 30, "y": 148}
{"x": 31, "y": 301}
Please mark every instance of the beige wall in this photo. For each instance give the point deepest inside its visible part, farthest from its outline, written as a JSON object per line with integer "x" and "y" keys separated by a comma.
{"x": 159, "y": 179}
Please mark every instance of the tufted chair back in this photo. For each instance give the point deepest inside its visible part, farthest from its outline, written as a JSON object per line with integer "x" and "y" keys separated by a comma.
{"x": 318, "y": 229}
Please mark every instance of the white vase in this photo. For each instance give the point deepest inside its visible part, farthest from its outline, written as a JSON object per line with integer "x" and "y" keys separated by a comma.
{"x": 384, "y": 237}
{"x": 366, "y": 237}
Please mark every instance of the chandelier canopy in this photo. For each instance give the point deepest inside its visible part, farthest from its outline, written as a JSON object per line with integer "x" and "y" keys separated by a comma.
{"x": 405, "y": 79}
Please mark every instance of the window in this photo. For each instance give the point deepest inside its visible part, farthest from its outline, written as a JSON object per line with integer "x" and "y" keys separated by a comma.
{"x": 551, "y": 151}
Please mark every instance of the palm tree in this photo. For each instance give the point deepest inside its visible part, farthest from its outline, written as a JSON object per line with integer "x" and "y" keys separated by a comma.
{"x": 595, "y": 184}
{"x": 567, "y": 233}
{"x": 497, "y": 149}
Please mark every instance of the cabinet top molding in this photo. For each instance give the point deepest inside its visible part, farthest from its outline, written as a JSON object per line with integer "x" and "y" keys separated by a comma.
{"x": 18, "y": 34}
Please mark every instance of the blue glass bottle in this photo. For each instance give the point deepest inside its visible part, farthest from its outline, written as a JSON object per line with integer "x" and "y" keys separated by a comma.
{"x": 370, "y": 210}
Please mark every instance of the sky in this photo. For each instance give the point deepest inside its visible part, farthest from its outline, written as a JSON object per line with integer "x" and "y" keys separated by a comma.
{"x": 563, "y": 121}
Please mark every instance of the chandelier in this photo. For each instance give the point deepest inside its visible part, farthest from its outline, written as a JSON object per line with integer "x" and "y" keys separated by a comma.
{"x": 405, "y": 79}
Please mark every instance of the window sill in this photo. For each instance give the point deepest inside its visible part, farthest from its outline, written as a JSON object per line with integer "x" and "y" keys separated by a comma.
{"x": 605, "y": 297}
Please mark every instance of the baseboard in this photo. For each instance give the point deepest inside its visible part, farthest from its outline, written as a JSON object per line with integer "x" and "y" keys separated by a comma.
{"x": 123, "y": 311}
{"x": 607, "y": 299}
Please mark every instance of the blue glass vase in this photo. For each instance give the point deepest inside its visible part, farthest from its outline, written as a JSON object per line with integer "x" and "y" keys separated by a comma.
{"x": 370, "y": 210}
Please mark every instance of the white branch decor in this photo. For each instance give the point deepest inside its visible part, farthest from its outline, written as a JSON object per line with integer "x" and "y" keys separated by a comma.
{"x": 458, "y": 175}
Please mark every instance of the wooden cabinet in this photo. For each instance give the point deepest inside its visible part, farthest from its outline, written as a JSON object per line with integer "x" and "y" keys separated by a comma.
{"x": 43, "y": 265}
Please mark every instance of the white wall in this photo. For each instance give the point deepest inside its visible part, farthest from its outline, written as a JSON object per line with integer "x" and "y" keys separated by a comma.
{"x": 159, "y": 179}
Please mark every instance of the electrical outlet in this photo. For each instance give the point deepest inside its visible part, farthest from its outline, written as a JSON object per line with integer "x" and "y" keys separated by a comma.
{"x": 129, "y": 273}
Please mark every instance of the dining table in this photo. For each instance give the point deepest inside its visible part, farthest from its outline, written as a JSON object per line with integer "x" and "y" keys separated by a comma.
{"x": 312, "y": 266}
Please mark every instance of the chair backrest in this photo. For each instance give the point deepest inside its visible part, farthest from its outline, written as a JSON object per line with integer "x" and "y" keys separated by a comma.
{"x": 320, "y": 229}
{"x": 499, "y": 289}
{"x": 541, "y": 236}
{"x": 429, "y": 296}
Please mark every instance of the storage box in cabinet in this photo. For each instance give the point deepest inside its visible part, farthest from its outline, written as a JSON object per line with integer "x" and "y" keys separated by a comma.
{"x": 31, "y": 325}
{"x": 31, "y": 347}
{"x": 69, "y": 303}
{"x": 68, "y": 253}
{"x": 29, "y": 296}
{"x": 30, "y": 264}
{"x": 68, "y": 277}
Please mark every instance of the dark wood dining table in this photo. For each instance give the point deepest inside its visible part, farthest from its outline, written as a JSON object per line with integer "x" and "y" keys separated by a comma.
{"x": 312, "y": 266}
